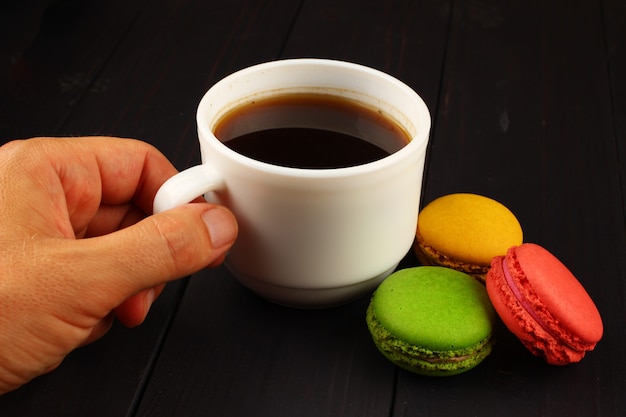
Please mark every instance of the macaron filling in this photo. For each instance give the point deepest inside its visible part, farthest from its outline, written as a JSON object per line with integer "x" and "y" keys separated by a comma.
{"x": 520, "y": 298}
{"x": 569, "y": 342}
{"x": 429, "y": 256}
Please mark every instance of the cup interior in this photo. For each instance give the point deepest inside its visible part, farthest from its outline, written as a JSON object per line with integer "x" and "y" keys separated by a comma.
{"x": 374, "y": 89}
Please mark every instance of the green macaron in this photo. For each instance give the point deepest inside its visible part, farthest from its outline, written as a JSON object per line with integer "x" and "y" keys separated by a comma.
{"x": 432, "y": 320}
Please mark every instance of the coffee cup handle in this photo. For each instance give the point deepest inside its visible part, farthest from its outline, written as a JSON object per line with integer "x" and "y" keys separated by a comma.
{"x": 186, "y": 186}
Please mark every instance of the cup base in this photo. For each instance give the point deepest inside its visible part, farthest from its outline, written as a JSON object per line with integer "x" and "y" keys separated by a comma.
{"x": 311, "y": 298}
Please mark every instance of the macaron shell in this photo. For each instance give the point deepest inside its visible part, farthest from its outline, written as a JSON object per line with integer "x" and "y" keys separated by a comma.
{"x": 469, "y": 228}
{"x": 560, "y": 292}
{"x": 437, "y": 308}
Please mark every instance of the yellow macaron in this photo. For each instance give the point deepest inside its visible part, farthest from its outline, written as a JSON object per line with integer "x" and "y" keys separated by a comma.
{"x": 465, "y": 231}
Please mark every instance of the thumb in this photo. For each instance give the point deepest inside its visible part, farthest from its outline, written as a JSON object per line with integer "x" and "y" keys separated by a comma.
{"x": 160, "y": 248}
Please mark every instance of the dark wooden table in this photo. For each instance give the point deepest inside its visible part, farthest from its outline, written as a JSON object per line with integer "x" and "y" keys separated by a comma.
{"x": 528, "y": 100}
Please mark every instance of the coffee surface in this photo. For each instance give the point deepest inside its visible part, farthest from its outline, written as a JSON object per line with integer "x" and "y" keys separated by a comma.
{"x": 310, "y": 131}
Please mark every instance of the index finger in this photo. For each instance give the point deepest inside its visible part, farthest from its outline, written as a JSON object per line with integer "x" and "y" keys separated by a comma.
{"x": 129, "y": 170}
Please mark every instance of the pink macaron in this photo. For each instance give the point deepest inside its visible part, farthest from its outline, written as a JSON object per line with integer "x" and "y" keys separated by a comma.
{"x": 543, "y": 304}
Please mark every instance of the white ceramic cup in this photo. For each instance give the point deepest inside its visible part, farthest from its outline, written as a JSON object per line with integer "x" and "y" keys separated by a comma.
{"x": 310, "y": 238}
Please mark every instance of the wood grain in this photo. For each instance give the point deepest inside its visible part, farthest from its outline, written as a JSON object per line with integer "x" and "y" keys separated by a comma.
{"x": 528, "y": 102}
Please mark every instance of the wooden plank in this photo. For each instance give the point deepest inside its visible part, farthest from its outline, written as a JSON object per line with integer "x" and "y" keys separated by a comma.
{"x": 401, "y": 37}
{"x": 175, "y": 52}
{"x": 614, "y": 18}
{"x": 50, "y": 55}
{"x": 525, "y": 117}
{"x": 244, "y": 356}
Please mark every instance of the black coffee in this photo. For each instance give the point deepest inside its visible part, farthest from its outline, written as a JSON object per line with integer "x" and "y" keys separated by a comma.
{"x": 310, "y": 131}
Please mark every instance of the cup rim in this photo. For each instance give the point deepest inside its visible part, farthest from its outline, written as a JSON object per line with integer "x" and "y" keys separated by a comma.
{"x": 417, "y": 144}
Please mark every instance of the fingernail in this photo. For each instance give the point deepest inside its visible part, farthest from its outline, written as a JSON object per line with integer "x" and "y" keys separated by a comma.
{"x": 150, "y": 296}
{"x": 221, "y": 225}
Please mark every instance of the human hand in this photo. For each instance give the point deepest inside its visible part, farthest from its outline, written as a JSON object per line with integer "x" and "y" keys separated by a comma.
{"x": 78, "y": 247}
